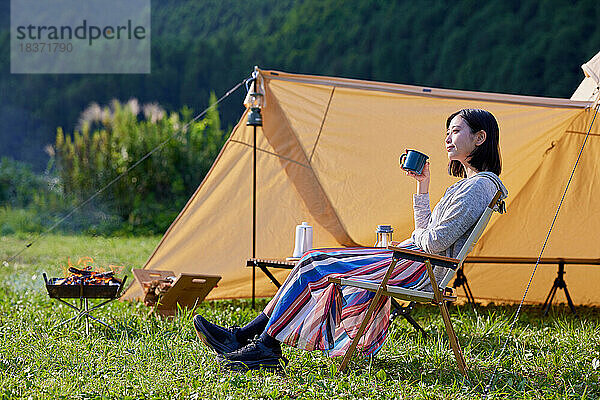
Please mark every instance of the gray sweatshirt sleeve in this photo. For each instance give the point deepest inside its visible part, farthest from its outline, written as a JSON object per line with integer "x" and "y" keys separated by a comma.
{"x": 421, "y": 210}
{"x": 467, "y": 205}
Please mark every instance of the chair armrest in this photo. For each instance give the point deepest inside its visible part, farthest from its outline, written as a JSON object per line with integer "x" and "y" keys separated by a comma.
{"x": 421, "y": 256}
{"x": 336, "y": 280}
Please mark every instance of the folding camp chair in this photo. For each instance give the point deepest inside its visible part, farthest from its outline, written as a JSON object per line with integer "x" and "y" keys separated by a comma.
{"x": 441, "y": 293}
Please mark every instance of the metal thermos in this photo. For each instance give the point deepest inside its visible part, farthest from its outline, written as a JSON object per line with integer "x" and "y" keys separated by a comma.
{"x": 303, "y": 241}
{"x": 384, "y": 235}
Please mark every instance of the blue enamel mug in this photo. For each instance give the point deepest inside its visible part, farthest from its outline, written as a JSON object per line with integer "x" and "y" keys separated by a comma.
{"x": 413, "y": 161}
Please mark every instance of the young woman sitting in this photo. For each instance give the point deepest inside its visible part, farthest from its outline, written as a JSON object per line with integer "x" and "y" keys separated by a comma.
{"x": 310, "y": 313}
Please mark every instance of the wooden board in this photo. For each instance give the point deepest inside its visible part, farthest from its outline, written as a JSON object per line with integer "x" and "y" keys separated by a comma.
{"x": 148, "y": 275}
{"x": 188, "y": 290}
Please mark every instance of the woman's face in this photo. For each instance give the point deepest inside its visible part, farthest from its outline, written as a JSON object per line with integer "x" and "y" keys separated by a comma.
{"x": 460, "y": 141}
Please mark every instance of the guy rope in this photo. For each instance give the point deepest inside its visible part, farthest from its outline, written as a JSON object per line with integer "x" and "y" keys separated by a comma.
{"x": 488, "y": 387}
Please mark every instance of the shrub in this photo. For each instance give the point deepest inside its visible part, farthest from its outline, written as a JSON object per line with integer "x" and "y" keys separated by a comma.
{"x": 19, "y": 220}
{"x": 20, "y": 186}
{"x": 112, "y": 139}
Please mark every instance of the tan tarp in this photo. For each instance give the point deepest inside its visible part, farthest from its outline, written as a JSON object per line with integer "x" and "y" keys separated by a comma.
{"x": 328, "y": 155}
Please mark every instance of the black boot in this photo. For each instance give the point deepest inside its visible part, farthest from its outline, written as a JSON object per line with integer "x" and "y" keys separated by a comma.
{"x": 222, "y": 340}
{"x": 264, "y": 352}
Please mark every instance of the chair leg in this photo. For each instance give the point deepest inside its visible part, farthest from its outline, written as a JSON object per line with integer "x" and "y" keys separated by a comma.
{"x": 439, "y": 300}
{"x": 460, "y": 359}
{"x": 365, "y": 321}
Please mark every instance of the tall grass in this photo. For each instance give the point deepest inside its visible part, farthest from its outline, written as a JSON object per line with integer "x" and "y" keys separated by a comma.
{"x": 554, "y": 357}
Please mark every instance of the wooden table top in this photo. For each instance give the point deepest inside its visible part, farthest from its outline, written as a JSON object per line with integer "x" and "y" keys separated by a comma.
{"x": 270, "y": 261}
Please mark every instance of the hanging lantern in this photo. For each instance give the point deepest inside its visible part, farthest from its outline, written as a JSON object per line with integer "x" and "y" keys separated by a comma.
{"x": 255, "y": 99}
{"x": 254, "y": 117}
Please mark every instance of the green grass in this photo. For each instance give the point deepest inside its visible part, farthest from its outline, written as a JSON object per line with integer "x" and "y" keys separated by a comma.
{"x": 555, "y": 357}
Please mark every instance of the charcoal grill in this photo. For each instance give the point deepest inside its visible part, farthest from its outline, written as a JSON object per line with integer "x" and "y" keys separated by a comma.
{"x": 85, "y": 293}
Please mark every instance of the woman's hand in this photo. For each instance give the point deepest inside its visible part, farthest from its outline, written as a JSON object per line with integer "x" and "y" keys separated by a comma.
{"x": 422, "y": 179}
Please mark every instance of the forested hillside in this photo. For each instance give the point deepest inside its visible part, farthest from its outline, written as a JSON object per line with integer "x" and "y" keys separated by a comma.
{"x": 527, "y": 47}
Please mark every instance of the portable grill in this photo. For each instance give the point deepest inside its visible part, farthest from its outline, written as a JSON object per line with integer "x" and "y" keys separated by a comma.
{"x": 84, "y": 292}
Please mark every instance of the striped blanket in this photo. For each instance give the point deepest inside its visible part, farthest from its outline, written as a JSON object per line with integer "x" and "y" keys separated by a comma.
{"x": 310, "y": 313}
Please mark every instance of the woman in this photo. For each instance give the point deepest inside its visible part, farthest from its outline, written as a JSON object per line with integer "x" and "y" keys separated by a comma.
{"x": 310, "y": 313}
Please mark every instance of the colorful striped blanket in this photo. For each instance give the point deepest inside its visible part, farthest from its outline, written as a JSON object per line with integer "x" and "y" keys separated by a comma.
{"x": 310, "y": 313}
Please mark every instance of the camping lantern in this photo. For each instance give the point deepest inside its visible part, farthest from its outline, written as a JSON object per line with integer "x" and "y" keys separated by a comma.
{"x": 255, "y": 100}
{"x": 254, "y": 117}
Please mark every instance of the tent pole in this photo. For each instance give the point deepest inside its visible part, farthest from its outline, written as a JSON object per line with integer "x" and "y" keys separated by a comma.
{"x": 254, "y": 218}
{"x": 254, "y": 101}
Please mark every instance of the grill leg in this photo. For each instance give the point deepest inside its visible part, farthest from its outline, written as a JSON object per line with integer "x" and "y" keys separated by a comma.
{"x": 70, "y": 319}
{"x": 65, "y": 321}
{"x": 101, "y": 322}
{"x": 87, "y": 317}
{"x": 84, "y": 311}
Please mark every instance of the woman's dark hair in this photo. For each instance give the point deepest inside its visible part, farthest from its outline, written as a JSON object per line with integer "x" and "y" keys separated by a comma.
{"x": 485, "y": 157}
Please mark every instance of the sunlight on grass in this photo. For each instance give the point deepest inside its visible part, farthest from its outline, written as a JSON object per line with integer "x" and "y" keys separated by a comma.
{"x": 557, "y": 357}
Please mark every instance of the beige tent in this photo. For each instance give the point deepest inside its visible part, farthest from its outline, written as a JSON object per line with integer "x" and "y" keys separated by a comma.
{"x": 589, "y": 89}
{"x": 327, "y": 154}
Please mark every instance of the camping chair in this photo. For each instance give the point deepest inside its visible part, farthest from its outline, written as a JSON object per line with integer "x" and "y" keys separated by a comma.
{"x": 441, "y": 293}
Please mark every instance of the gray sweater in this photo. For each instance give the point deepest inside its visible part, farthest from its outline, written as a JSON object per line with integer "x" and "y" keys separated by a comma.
{"x": 445, "y": 230}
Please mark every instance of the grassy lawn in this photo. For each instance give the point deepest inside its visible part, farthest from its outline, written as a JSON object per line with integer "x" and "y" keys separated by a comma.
{"x": 556, "y": 357}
